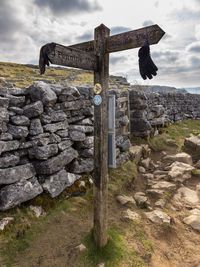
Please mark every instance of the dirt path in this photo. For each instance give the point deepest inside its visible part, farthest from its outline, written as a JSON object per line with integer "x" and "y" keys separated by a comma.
{"x": 176, "y": 245}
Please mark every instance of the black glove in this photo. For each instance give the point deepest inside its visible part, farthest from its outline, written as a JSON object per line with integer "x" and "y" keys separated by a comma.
{"x": 44, "y": 60}
{"x": 146, "y": 66}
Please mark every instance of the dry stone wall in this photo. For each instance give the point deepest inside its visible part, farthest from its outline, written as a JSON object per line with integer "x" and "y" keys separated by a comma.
{"x": 46, "y": 140}
{"x": 149, "y": 111}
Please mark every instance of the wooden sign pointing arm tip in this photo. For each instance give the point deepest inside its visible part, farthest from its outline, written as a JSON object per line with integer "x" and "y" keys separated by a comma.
{"x": 66, "y": 56}
{"x": 127, "y": 40}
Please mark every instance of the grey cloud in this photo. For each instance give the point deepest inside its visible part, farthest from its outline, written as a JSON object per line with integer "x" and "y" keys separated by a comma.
{"x": 195, "y": 62}
{"x": 147, "y": 23}
{"x": 165, "y": 56}
{"x": 9, "y": 22}
{"x": 87, "y": 36}
{"x": 195, "y": 48}
{"x": 119, "y": 29}
{"x": 117, "y": 59}
{"x": 68, "y": 6}
{"x": 156, "y": 4}
{"x": 185, "y": 14}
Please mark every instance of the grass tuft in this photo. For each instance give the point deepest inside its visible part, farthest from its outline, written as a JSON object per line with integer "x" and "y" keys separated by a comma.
{"x": 114, "y": 254}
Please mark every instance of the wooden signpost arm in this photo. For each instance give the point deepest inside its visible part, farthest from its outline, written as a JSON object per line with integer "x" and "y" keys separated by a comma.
{"x": 101, "y": 138}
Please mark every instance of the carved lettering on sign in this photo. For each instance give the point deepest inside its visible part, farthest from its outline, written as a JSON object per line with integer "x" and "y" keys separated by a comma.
{"x": 71, "y": 57}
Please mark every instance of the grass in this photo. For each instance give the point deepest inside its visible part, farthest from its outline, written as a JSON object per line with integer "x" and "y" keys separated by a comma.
{"x": 18, "y": 235}
{"x": 24, "y": 75}
{"x": 171, "y": 137}
{"x": 112, "y": 255}
{"x": 122, "y": 177}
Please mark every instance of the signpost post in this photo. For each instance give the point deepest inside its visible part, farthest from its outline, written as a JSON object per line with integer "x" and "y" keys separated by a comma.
{"x": 94, "y": 55}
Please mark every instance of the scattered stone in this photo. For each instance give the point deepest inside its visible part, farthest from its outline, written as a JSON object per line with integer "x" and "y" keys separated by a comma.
{"x": 146, "y": 151}
{"x": 149, "y": 176}
{"x": 17, "y": 173}
{"x": 135, "y": 153}
{"x": 33, "y": 110}
{"x": 141, "y": 169}
{"x": 81, "y": 248}
{"x": 142, "y": 200}
{"x": 155, "y": 192}
{"x": 160, "y": 203}
{"x": 171, "y": 142}
{"x": 130, "y": 215}
{"x": 56, "y": 163}
{"x": 158, "y": 217}
{"x": 180, "y": 171}
{"x": 197, "y": 165}
{"x": 126, "y": 200}
{"x": 195, "y": 211}
{"x": 56, "y": 183}
{"x": 164, "y": 185}
{"x": 193, "y": 221}
{"x": 18, "y": 132}
{"x": 4, "y": 222}
{"x": 186, "y": 196}
{"x": 145, "y": 163}
{"x": 42, "y": 91}
{"x": 125, "y": 145}
{"x": 82, "y": 185}
{"x": 192, "y": 145}
{"x": 14, "y": 194}
{"x": 180, "y": 157}
{"x": 38, "y": 211}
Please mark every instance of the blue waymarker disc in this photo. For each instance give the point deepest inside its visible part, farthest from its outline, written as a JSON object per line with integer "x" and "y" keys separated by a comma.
{"x": 97, "y": 100}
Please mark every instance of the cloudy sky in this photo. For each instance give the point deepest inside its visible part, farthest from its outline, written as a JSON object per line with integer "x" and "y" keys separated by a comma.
{"x": 27, "y": 25}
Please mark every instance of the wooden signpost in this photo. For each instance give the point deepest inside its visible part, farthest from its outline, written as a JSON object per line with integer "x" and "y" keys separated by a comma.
{"x": 94, "y": 55}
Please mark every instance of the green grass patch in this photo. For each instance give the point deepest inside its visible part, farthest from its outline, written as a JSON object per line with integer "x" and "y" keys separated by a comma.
{"x": 121, "y": 178}
{"x": 145, "y": 244}
{"x": 112, "y": 255}
{"x": 196, "y": 172}
{"x": 18, "y": 235}
{"x": 171, "y": 137}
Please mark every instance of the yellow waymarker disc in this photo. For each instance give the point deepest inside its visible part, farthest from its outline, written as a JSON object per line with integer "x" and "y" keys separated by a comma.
{"x": 97, "y": 88}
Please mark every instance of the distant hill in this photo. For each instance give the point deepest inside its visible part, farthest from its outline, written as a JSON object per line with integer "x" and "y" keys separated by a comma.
{"x": 192, "y": 90}
{"x": 23, "y": 75}
{"x": 158, "y": 89}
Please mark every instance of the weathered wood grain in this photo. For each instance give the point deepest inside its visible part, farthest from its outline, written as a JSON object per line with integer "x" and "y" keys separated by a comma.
{"x": 101, "y": 139}
{"x": 66, "y": 56}
{"x": 127, "y": 40}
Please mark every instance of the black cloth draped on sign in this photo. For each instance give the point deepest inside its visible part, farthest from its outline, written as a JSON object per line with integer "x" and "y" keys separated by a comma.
{"x": 146, "y": 65}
